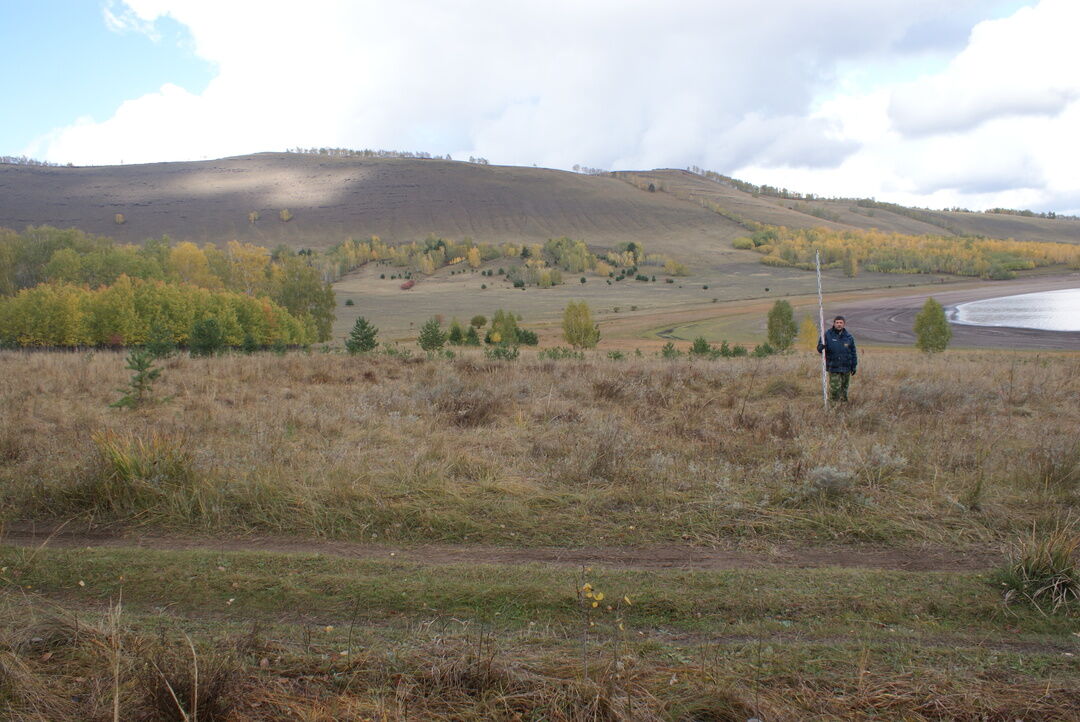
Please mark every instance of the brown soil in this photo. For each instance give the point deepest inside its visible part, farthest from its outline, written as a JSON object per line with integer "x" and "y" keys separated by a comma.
{"x": 647, "y": 557}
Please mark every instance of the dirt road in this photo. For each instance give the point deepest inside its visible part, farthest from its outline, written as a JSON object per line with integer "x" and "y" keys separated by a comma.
{"x": 645, "y": 558}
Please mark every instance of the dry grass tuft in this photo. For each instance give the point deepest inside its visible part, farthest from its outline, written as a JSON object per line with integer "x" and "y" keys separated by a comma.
{"x": 1044, "y": 569}
{"x": 178, "y": 683}
{"x": 469, "y": 404}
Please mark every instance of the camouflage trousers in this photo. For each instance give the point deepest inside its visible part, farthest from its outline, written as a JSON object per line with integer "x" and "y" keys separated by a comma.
{"x": 838, "y": 386}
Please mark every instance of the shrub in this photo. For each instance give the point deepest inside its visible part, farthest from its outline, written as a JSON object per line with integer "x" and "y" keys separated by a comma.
{"x": 350, "y": 302}
{"x": 525, "y": 337}
{"x": 578, "y": 327}
{"x": 781, "y": 325}
{"x": 823, "y": 484}
{"x": 743, "y": 244}
{"x": 557, "y": 353}
{"x": 782, "y": 387}
{"x": 1043, "y": 570}
{"x": 502, "y": 352}
{"x": 285, "y": 215}
{"x": 932, "y": 332}
{"x": 669, "y": 351}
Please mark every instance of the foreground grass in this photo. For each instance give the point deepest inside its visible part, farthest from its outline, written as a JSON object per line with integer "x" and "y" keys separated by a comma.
{"x": 957, "y": 450}
{"x": 320, "y": 638}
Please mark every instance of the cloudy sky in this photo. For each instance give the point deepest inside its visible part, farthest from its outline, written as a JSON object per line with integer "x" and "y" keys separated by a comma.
{"x": 939, "y": 103}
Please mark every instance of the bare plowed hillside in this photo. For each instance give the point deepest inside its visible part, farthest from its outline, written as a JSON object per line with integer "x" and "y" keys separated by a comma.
{"x": 331, "y": 199}
{"x": 845, "y": 213}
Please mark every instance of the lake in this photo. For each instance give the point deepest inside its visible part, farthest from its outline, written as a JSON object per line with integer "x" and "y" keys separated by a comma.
{"x": 1048, "y": 310}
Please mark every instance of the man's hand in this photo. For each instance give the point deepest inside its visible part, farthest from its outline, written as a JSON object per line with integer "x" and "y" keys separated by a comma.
{"x": 852, "y": 372}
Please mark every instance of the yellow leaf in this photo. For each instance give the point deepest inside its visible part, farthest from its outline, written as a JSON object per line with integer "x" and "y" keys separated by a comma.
{"x": 600, "y": 596}
{"x": 595, "y": 604}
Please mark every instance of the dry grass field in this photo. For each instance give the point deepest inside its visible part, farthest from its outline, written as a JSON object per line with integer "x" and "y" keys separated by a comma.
{"x": 324, "y": 536}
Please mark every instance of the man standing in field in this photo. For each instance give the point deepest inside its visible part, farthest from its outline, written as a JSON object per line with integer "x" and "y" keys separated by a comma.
{"x": 840, "y": 358}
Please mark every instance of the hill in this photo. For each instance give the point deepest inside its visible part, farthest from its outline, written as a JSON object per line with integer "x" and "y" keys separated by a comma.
{"x": 334, "y": 198}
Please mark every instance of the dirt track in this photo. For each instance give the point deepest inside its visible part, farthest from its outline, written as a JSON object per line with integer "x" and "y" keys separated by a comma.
{"x": 890, "y": 320}
{"x": 644, "y": 558}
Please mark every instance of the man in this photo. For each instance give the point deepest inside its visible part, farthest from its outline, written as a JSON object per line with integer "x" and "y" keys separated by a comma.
{"x": 840, "y": 358}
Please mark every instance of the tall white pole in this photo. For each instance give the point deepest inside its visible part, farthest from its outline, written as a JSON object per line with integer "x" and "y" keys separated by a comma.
{"x": 821, "y": 326}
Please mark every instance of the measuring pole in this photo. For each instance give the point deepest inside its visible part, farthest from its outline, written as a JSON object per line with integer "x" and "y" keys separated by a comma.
{"x": 821, "y": 321}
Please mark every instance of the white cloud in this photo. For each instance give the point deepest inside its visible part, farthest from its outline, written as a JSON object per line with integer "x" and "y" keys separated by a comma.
{"x": 995, "y": 126}
{"x": 1022, "y": 65}
{"x": 607, "y": 83}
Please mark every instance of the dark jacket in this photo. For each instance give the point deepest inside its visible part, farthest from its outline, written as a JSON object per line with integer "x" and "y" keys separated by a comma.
{"x": 840, "y": 354}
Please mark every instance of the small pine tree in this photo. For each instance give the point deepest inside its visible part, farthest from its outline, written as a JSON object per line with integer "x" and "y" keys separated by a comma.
{"x": 362, "y": 337}
{"x": 160, "y": 343}
{"x": 578, "y": 327}
{"x": 457, "y": 335}
{"x": 250, "y": 344}
{"x": 432, "y": 338}
{"x": 781, "y": 324}
{"x": 932, "y": 332}
{"x": 669, "y": 351}
{"x": 700, "y": 347}
{"x": 472, "y": 338}
{"x": 207, "y": 337}
{"x": 138, "y": 392}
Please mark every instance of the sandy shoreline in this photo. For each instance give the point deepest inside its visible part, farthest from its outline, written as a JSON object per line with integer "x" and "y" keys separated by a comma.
{"x": 889, "y": 320}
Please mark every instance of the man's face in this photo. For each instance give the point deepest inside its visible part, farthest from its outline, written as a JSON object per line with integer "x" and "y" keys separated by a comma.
{"x": 838, "y": 324}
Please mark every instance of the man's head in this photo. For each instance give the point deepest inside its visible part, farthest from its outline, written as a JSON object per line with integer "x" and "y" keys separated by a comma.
{"x": 838, "y": 323}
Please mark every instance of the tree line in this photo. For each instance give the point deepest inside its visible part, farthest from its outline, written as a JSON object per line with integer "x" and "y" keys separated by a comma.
{"x": 883, "y": 252}
{"x": 135, "y": 312}
{"x": 47, "y": 264}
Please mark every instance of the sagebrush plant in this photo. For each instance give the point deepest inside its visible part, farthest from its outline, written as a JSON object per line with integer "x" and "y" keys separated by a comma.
{"x": 1044, "y": 568}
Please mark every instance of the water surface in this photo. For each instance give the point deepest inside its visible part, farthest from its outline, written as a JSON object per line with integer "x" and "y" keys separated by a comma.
{"x": 1047, "y": 310}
